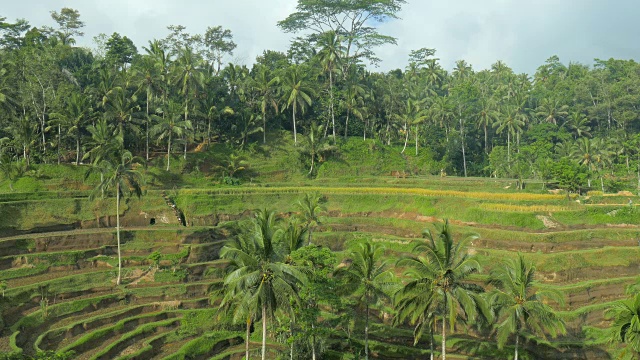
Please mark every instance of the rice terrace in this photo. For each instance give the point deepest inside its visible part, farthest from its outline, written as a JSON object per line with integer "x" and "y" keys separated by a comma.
{"x": 161, "y": 200}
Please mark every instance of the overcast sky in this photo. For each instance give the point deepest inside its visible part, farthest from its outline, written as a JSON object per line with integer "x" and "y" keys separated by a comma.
{"x": 523, "y": 33}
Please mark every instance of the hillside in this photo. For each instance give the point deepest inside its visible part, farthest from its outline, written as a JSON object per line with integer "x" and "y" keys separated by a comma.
{"x": 59, "y": 252}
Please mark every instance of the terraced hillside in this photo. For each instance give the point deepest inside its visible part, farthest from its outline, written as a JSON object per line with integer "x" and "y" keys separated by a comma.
{"x": 58, "y": 259}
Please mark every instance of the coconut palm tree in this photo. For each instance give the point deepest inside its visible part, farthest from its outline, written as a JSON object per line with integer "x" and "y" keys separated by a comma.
{"x": 73, "y": 117}
{"x": 151, "y": 82}
{"x": 486, "y": 116}
{"x": 625, "y": 326}
{"x": 188, "y": 77}
{"x": 169, "y": 125}
{"x": 315, "y": 145}
{"x": 258, "y": 269}
{"x": 551, "y": 110}
{"x": 442, "y": 271}
{"x": 512, "y": 121}
{"x": 296, "y": 93}
{"x": 120, "y": 176}
{"x": 369, "y": 279}
{"x": 520, "y": 305}
{"x": 123, "y": 109}
{"x": 310, "y": 208}
{"x": 592, "y": 153}
{"x": 578, "y": 124}
{"x": 413, "y": 115}
{"x": 267, "y": 87}
{"x": 330, "y": 56}
{"x": 415, "y": 302}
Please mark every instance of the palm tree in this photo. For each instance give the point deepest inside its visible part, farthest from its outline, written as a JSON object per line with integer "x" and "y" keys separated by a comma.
{"x": 149, "y": 80}
{"x": 73, "y": 117}
{"x": 442, "y": 112}
{"x": 189, "y": 78}
{"x": 266, "y": 85}
{"x": 315, "y": 145}
{"x": 171, "y": 124}
{"x": 441, "y": 272}
{"x": 11, "y": 170}
{"x": 122, "y": 108}
{"x": 120, "y": 176}
{"x": 578, "y": 124}
{"x": 369, "y": 278}
{"x": 486, "y": 117}
{"x": 413, "y": 114}
{"x": 519, "y": 303}
{"x": 625, "y": 326}
{"x": 296, "y": 93}
{"x": 24, "y": 134}
{"x": 592, "y": 153}
{"x": 511, "y": 121}
{"x": 353, "y": 100}
{"x": 551, "y": 110}
{"x": 330, "y": 55}
{"x": 415, "y": 302}
{"x": 310, "y": 208}
{"x": 258, "y": 270}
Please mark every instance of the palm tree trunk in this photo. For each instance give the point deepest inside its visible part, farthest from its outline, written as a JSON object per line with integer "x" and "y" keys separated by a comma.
{"x": 346, "y": 124}
{"x": 486, "y": 146}
{"x": 406, "y": 138}
{"x": 333, "y": 118}
{"x": 169, "y": 152}
{"x": 602, "y": 184}
{"x": 366, "y": 335}
{"x": 310, "y": 231}
{"x": 185, "y": 147}
{"x": 246, "y": 342}
{"x": 78, "y": 147}
{"x": 295, "y": 138}
{"x": 118, "y": 233}
{"x": 416, "y": 140}
{"x": 516, "y": 354}
{"x": 313, "y": 157}
{"x": 264, "y": 127}
{"x": 464, "y": 156}
{"x": 59, "y": 143}
{"x": 444, "y": 336}
{"x": 313, "y": 341}
{"x": 364, "y": 132}
{"x": 264, "y": 331}
{"x": 147, "y": 130}
{"x": 509, "y": 149}
{"x": 291, "y": 346}
{"x": 431, "y": 345}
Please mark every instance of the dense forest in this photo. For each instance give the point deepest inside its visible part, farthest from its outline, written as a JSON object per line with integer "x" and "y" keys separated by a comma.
{"x": 575, "y": 124}
{"x": 570, "y": 126}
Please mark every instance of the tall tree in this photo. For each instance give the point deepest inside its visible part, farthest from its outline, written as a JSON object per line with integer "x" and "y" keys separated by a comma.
{"x": 73, "y": 117}
{"x": 351, "y": 19}
{"x": 330, "y": 55}
{"x": 296, "y": 93}
{"x": 266, "y": 85}
{"x": 310, "y": 207}
{"x": 520, "y": 304}
{"x": 172, "y": 123}
{"x": 369, "y": 278}
{"x": 625, "y": 326}
{"x": 218, "y": 42}
{"x": 69, "y": 25}
{"x": 443, "y": 268}
{"x": 120, "y": 176}
{"x": 258, "y": 269}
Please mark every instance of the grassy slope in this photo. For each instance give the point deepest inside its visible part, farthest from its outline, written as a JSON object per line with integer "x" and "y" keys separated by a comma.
{"x": 363, "y": 202}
